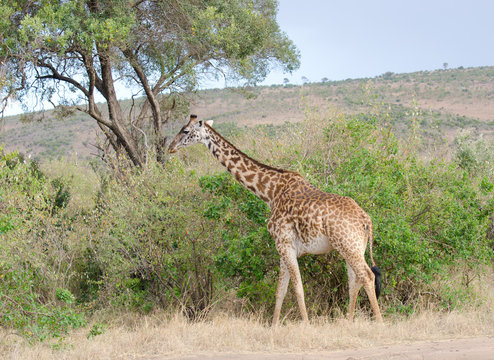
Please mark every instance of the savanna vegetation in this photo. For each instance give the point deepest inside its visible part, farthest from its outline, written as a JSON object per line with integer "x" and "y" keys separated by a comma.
{"x": 79, "y": 240}
{"x": 85, "y": 241}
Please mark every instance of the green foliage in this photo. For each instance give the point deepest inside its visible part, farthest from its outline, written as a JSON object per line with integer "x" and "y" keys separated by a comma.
{"x": 62, "y": 195}
{"x": 30, "y": 301}
{"x": 22, "y": 306}
{"x": 228, "y": 192}
{"x": 247, "y": 36}
{"x": 428, "y": 216}
{"x": 247, "y": 257}
{"x": 64, "y": 295}
{"x": 96, "y": 329}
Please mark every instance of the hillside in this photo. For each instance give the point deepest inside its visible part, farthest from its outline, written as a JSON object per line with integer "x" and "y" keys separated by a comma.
{"x": 444, "y": 100}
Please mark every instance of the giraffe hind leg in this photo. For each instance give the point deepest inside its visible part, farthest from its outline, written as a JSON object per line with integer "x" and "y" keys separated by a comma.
{"x": 366, "y": 276}
{"x": 353, "y": 288}
{"x": 284, "y": 236}
{"x": 371, "y": 293}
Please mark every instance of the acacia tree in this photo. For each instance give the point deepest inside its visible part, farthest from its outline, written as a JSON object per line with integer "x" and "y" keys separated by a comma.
{"x": 158, "y": 48}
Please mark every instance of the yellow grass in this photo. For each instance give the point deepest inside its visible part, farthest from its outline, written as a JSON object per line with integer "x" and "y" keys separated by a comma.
{"x": 159, "y": 336}
{"x": 162, "y": 335}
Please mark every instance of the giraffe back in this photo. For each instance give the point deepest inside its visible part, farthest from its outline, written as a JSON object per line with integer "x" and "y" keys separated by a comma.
{"x": 320, "y": 220}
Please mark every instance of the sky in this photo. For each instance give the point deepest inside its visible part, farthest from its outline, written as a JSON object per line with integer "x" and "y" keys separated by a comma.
{"x": 363, "y": 38}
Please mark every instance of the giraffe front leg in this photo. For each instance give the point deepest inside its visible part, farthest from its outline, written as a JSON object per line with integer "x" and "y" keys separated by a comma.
{"x": 294, "y": 271}
{"x": 284, "y": 237}
{"x": 281, "y": 288}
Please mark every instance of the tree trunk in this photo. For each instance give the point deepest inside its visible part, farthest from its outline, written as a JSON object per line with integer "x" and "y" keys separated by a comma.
{"x": 115, "y": 114}
{"x": 153, "y": 103}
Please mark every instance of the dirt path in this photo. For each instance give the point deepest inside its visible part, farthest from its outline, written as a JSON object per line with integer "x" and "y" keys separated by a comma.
{"x": 475, "y": 349}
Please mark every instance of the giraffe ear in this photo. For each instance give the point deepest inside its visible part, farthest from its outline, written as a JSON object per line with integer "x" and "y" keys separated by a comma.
{"x": 210, "y": 122}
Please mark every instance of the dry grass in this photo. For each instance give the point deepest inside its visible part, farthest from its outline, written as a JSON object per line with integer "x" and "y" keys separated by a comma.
{"x": 161, "y": 335}
{"x": 156, "y": 336}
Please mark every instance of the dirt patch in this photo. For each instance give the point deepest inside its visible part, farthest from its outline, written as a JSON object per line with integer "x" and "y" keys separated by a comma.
{"x": 476, "y": 348}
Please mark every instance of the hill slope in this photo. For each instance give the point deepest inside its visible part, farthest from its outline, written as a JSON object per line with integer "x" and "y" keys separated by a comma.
{"x": 444, "y": 100}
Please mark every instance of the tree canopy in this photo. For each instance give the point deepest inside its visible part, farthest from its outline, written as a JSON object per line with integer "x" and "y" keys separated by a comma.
{"x": 75, "y": 52}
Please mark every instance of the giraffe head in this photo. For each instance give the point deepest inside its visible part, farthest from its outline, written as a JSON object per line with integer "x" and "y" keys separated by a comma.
{"x": 192, "y": 133}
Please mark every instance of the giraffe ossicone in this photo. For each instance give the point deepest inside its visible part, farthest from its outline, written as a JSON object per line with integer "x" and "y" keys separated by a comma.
{"x": 304, "y": 219}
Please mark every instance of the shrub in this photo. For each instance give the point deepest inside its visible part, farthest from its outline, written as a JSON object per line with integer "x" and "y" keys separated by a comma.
{"x": 23, "y": 305}
{"x": 33, "y": 297}
{"x": 152, "y": 243}
{"x": 246, "y": 258}
{"x": 429, "y": 218}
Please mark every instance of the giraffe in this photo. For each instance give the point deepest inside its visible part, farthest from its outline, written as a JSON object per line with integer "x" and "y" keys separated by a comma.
{"x": 304, "y": 219}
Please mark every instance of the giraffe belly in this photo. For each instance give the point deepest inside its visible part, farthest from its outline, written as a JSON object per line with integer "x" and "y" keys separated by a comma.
{"x": 315, "y": 245}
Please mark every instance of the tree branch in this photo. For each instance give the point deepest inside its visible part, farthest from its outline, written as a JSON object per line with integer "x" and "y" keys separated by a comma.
{"x": 159, "y": 86}
{"x": 57, "y": 76}
{"x": 96, "y": 116}
{"x": 94, "y": 80}
{"x": 151, "y": 96}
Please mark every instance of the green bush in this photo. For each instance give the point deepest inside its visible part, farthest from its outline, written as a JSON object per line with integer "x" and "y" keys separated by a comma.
{"x": 246, "y": 258}
{"x": 34, "y": 254}
{"x": 429, "y": 218}
{"x": 152, "y": 244}
{"x": 24, "y": 308}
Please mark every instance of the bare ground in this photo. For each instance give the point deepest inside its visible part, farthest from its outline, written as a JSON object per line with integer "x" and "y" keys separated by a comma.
{"x": 476, "y": 348}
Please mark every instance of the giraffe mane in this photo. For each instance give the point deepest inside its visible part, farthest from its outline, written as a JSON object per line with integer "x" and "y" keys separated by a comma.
{"x": 258, "y": 163}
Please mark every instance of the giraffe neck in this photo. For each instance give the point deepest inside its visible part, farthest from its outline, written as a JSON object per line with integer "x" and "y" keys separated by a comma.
{"x": 263, "y": 180}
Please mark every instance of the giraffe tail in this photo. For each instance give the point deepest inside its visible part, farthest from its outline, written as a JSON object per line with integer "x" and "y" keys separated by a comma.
{"x": 377, "y": 281}
{"x": 374, "y": 268}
